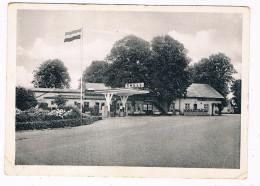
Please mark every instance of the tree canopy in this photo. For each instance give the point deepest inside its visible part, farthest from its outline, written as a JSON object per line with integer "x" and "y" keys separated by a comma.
{"x": 217, "y": 71}
{"x": 168, "y": 76}
{"x": 96, "y": 72}
{"x": 25, "y": 99}
{"x": 236, "y": 90}
{"x": 51, "y": 74}
{"x": 60, "y": 101}
{"x": 128, "y": 57}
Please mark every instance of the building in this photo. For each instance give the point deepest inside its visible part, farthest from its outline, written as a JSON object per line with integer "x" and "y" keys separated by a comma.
{"x": 199, "y": 98}
{"x": 72, "y": 96}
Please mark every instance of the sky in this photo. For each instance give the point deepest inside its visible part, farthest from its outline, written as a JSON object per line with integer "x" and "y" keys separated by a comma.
{"x": 41, "y": 33}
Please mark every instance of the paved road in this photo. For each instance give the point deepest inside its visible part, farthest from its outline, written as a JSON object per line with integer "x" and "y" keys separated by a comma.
{"x": 165, "y": 141}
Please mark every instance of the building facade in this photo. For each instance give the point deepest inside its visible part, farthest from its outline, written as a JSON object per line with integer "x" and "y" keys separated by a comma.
{"x": 199, "y": 98}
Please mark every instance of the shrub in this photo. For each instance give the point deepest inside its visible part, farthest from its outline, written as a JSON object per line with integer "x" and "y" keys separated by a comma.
{"x": 52, "y": 117}
{"x": 73, "y": 113}
{"x": 55, "y": 123}
{"x": 60, "y": 101}
{"x": 66, "y": 108}
{"x": 22, "y": 117}
{"x": 55, "y": 114}
{"x": 31, "y": 115}
{"x": 43, "y": 105}
{"x": 25, "y": 99}
{"x": 85, "y": 115}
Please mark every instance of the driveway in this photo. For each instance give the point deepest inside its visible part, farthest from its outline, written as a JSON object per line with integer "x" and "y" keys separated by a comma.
{"x": 164, "y": 141}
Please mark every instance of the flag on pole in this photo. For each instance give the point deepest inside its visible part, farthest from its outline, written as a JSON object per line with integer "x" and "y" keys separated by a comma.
{"x": 74, "y": 34}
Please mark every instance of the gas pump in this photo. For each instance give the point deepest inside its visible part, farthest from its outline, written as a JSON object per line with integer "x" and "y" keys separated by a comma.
{"x": 121, "y": 111}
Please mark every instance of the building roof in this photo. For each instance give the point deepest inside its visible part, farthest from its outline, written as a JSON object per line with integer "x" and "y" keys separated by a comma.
{"x": 203, "y": 91}
{"x": 64, "y": 96}
{"x": 95, "y": 86}
{"x": 195, "y": 90}
{"x": 55, "y": 90}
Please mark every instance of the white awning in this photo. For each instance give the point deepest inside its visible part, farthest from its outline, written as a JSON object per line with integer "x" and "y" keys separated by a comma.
{"x": 122, "y": 91}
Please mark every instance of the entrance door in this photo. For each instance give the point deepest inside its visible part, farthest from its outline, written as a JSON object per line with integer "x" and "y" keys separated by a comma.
{"x": 195, "y": 106}
{"x": 148, "y": 108}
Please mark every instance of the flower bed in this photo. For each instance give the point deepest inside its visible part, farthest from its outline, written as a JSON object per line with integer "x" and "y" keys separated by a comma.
{"x": 45, "y": 115}
{"x": 41, "y": 119}
{"x": 54, "y": 123}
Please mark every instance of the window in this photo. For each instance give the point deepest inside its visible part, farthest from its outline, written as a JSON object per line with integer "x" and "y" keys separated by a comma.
{"x": 206, "y": 107}
{"x": 102, "y": 105}
{"x": 187, "y": 106}
{"x": 75, "y": 102}
{"x": 150, "y": 107}
{"x": 86, "y": 105}
{"x": 129, "y": 107}
{"x": 136, "y": 107}
{"x": 52, "y": 102}
{"x": 195, "y": 106}
{"x": 97, "y": 104}
{"x": 140, "y": 107}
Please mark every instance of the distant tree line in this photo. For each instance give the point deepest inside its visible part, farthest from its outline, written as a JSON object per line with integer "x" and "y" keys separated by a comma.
{"x": 162, "y": 64}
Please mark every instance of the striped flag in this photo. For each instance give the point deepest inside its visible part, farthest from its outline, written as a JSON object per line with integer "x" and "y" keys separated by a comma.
{"x": 70, "y": 36}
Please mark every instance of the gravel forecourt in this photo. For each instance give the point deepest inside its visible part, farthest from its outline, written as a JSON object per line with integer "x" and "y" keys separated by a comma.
{"x": 146, "y": 141}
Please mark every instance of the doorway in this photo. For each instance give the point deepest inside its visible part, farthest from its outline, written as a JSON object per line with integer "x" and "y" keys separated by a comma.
{"x": 195, "y": 106}
{"x": 148, "y": 108}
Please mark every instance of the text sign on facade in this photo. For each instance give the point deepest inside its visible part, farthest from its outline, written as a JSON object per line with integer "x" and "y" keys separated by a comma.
{"x": 134, "y": 85}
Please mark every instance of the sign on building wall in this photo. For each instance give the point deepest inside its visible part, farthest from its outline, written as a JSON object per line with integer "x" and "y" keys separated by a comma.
{"x": 134, "y": 85}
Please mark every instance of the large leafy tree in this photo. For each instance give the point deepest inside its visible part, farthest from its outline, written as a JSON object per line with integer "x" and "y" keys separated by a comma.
{"x": 217, "y": 71}
{"x": 236, "y": 90}
{"x": 51, "y": 74}
{"x": 96, "y": 72}
{"x": 128, "y": 57}
{"x": 168, "y": 76}
{"x": 25, "y": 99}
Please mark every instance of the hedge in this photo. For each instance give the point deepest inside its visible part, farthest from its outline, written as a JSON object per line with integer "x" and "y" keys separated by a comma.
{"x": 37, "y": 125}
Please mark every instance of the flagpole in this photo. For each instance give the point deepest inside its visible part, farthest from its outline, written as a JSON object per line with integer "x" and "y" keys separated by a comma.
{"x": 81, "y": 81}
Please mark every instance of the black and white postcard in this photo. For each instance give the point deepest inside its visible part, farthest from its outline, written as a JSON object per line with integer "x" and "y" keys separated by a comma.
{"x": 127, "y": 91}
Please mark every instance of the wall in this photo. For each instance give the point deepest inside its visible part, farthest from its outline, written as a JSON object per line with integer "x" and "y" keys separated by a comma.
{"x": 180, "y": 104}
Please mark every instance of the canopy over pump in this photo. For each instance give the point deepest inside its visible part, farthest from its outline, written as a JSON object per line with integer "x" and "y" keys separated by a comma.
{"x": 123, "y": 93}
